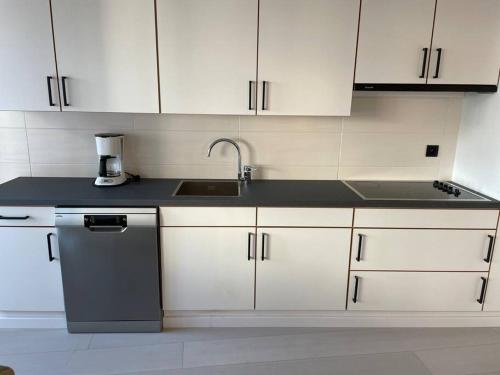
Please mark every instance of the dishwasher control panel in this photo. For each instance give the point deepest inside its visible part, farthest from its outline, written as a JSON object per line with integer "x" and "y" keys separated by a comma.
{"x": 105, "y": 221}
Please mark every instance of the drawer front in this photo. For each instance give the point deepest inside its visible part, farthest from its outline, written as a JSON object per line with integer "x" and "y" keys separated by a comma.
{"x": 207, "y": 216}
{"x": 418, "y": 218}
{"x": 27, "y": 216}
{"x": 304, "y": 217}
{"x": 422, "y": 249}
{"x": 415, "y": 291}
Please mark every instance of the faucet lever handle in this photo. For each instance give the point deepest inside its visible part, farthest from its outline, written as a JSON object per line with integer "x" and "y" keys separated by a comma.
{"x": 247, "y": 172}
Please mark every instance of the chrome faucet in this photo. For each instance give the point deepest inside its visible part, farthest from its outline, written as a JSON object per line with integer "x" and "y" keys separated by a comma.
{"x": 244, "y": 173}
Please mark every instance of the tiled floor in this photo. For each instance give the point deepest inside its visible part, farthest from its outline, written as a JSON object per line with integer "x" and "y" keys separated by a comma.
{"x": 257, "y": 351}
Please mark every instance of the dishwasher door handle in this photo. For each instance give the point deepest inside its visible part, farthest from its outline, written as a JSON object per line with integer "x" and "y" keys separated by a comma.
{"x": 106, "y": 228}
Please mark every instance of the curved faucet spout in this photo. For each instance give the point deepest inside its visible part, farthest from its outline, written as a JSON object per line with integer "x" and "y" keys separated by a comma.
{"x": 230, "y": 141}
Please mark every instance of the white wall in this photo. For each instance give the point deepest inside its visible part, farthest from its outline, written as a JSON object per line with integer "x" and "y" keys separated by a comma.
{"x": 385, "y": 138}
{"x": 477, "y": 163}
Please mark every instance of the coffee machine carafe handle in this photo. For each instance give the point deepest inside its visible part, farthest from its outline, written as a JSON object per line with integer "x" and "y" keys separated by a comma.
{"x": 103, "y": 165}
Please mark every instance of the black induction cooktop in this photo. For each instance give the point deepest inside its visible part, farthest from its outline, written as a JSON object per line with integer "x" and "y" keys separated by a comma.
{"x": 414, "y": 190}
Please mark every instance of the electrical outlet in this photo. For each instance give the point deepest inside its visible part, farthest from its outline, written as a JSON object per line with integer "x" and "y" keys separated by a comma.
{"x": 432, "y": 151}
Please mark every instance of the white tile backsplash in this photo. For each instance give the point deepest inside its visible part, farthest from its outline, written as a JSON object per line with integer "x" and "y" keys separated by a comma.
{"x": 79, "y": 120}
{"x": 9, "y": 171}
{"x": 13, "y": 146}
{"x": 61, "y": 146}
{"x": 388, "y": 150}
{"x": 10, "y": 119}
{"x": 385, "y": 138}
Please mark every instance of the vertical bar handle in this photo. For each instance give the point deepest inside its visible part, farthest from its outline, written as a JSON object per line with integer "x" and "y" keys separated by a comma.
{"x": 438, "y": 62}
{"x": 424, "y": 62}
{"x": 49, "y": 246}
{"x": 250, "y": 236}
{"x": 263, "y": 247}
{"x": 250, "y": 95}
{"x": 264, "y": 95}
{"x": 356, "y": 286}
{"x": 65, "y": 96}
{"x": 49, "y": 88}
{"x": 360, "y": 246}
{"x": 480, "y": 300}
{"x": 490, "y": 248}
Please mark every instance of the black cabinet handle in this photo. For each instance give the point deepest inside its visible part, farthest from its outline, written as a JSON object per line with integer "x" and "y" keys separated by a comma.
{"x": 263, "y": 247}
{"x": 483, "y": 291}
{"x": 438, "y": 62}
{"x": 250, "y": 235}
{"x": 360, "y": 246}
{"x": 490, "y": 248}
{"x": 49, "y": 246}
{"x": 424, "y": 62}
{"x": 49, "y": 88}
{"x": 250, "y": 96}
{"x": 356, "y": 285}
{"x": 65, "y": 97}
{"x": 14, "y": 217}
{"x": 264, "y": 95}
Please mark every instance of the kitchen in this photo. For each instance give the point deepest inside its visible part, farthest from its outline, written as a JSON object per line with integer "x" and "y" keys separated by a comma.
{"x": 241, "y": 172}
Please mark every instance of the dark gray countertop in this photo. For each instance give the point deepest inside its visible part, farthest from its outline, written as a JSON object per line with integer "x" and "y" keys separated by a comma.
{"x": 62, "y": 191}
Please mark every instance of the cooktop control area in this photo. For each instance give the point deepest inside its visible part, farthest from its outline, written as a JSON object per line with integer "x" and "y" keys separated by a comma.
{"x": 413, "y": 190}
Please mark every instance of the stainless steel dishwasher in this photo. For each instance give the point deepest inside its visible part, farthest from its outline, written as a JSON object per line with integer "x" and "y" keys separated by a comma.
{"x": 110, "y": 269}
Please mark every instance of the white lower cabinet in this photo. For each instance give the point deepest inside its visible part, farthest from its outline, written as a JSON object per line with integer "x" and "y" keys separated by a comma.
{"x": 208, "y": 268}
{"x": 422, "y": 249}
{"x": 492, "y": 299}
{"x": 31, "y": 280}
{"x": 416, "y": 291}
{"x": 302, "y": 268}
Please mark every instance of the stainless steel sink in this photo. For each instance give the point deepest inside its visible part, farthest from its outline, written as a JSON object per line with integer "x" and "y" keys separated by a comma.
{"x": 208, "y": 188}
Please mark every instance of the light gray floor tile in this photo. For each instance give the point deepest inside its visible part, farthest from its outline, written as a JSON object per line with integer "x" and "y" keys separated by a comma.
{"x": 374, "y": 364}
{"x": 463, "y": 360}
{"x": 95, "y": 362}
{"x": 41, "y": 341}
{"x": 116, "y": 360}
{"x": 195, "y": 334}
{"x": 350, "y": 342}
{"x": 52, "y": 363}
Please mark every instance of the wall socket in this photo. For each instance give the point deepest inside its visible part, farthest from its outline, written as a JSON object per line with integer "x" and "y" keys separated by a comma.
{"x": 432, "y": 151}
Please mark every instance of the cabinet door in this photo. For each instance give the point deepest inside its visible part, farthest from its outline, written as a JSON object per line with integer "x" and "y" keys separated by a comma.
{"x": 421, "y": 250}
{"x": 415, "y": 291}
{"x": 107, "y": 51}
{"x": 492, "y": 301}
{"x": 306, "y": 56}
{"x": 207, "y": 56}
{"x": 467, "y": 33}
{"x": 27, "y": 56}
{"x": 30, "y": 281}
{"x": 208, "y": 268}
{"x": 302, "y": 268}
{"x": 392, "y": 38}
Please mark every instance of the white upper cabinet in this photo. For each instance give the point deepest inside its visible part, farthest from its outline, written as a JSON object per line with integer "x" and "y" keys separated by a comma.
{"x": 434, "y": 42}
{"x": 394, "y": 41}
{"x": 27, "y": 65}
{"x": 306, "y": 57}
{"x": 107, "y": 51}
{"x": 467, "y": 33}
{"x": 207, "y": 54}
